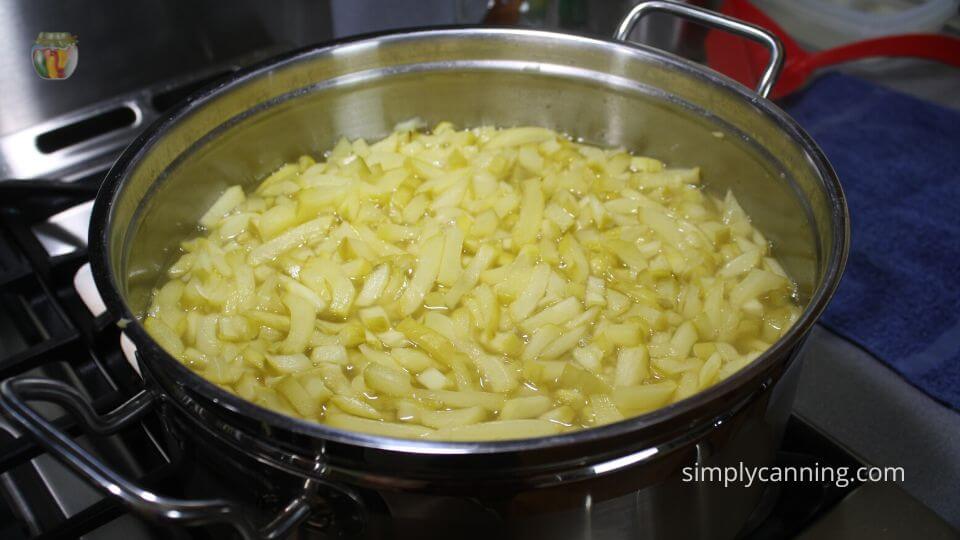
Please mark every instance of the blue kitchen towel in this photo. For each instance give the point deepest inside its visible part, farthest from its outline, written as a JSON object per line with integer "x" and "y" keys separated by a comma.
{"x": 898, "y": 159}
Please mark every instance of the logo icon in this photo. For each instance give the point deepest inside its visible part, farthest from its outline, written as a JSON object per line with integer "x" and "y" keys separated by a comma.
{"x": 55, "y": 55}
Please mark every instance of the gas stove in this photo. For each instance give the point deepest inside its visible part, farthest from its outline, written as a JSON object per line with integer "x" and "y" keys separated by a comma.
{"x": 53, "y": 324}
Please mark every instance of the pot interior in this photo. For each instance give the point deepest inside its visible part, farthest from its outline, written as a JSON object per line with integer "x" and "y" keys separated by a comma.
{"x": 601, "y": 92}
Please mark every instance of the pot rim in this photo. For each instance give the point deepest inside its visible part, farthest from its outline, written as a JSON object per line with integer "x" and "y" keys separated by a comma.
{"x": 108, "y": 286}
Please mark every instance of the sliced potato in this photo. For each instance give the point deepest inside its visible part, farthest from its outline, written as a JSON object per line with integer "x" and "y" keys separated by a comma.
{"x": 375, "y": 427}
{"x": 471, "y": 285}
{"x": 231, "y": 198}
{"x": 525, "y": 407}
{"x": 497, "y": 430}
{"x": 645, "y": 397}
{"x": 453, "y": 418}
{"x": 632, "y": 366}
{"x": 290, "y": 239}
{"x": 356, "y": 406}
{"x": 387, "y": 381}
{"x": 462, "y": 398}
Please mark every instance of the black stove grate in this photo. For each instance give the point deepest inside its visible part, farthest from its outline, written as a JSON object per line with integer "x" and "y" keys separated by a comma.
{"x": 49, "y": 329}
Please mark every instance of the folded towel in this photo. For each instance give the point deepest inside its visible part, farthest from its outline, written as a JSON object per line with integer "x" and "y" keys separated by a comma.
{"x": 898, "y": 159}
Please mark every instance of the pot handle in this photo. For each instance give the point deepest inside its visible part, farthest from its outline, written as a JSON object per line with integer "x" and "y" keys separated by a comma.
{"x": 713, "y": 20}
{"x": 14, "y": 394}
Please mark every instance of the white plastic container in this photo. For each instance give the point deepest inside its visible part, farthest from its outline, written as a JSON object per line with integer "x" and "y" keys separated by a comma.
{"x": 821, "y": 24}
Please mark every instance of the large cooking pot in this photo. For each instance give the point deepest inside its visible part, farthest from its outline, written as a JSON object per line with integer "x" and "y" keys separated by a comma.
{"x": 623, "y": 479}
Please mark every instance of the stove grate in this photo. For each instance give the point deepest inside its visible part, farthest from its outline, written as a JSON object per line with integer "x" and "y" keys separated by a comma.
{"x": 50, "y": 332}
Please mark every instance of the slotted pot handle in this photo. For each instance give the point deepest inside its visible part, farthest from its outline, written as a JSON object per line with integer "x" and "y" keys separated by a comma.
{"x": 713, "y": 20}
{"x": 14, "y": 395}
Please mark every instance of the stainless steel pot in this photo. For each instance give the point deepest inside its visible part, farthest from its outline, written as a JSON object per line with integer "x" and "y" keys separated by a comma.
{"x": 620, "y": 479}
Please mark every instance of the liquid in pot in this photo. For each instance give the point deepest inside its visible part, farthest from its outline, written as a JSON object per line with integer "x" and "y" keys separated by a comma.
{"x": 472, "y": 285}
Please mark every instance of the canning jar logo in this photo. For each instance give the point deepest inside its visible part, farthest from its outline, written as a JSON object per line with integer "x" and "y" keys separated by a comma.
{"x": 55, "y": 55}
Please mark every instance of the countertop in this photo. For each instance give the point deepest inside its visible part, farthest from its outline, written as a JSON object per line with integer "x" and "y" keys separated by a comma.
{"x": 854, "y": 397}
